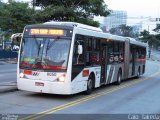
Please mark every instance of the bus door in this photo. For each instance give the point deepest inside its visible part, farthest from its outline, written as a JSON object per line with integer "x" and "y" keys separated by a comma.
{"x": 127, "y": 59}
{"x": 133, "y": 52}
{"x": 103, "y": 58}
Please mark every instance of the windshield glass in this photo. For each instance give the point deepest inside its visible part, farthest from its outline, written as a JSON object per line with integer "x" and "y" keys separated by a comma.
{"x": 44, "y": 53}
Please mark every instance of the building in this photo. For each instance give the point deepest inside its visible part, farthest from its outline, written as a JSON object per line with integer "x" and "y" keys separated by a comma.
{"x": 115, "y": 19}
{"x": 158, "y": 24}
{"x": 158, "y": 20}
{"x": 144, "y": 23}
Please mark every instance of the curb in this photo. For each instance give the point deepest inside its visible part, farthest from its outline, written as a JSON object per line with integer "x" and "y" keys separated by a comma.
{"x": 152, "y": 59}
{"x": 10, "y": 61}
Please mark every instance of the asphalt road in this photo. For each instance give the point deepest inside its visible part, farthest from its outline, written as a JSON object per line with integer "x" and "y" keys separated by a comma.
{"x": 8, "y": 73}
{"x": 135, "y": 96}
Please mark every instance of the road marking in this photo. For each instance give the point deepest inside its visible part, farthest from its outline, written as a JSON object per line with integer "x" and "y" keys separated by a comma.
{"x": 70, "y": 104}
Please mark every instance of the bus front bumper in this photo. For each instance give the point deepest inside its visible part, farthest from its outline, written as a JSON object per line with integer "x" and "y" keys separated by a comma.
{"x": 44, "y": 86}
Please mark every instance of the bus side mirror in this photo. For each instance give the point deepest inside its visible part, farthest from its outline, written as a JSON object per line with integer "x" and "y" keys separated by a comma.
{"x": 80, "y": 49}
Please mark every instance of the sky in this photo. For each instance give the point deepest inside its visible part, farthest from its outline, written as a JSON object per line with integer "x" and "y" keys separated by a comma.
{"x": 134, "y": 8}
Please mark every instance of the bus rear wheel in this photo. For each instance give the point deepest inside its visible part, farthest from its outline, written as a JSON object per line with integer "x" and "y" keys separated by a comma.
{"x": 138, "y": 74}
{"x": 119, "y": 78}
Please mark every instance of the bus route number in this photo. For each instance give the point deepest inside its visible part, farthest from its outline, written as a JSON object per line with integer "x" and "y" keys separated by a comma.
{"x": 51, "y": 74}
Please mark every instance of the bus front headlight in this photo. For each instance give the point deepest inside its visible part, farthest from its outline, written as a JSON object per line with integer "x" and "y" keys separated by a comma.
{"x": 61, "y": 78}
{"x": 21, "y": 75}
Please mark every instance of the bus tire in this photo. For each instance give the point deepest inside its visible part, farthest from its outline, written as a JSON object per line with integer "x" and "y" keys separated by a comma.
{"x": 119, "y": 78}
{"x": 138, "y": 73}
{"x": 90, "y": 86}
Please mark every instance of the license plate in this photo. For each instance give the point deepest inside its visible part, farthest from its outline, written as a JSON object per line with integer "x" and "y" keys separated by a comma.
{"x": 39, "y": 84}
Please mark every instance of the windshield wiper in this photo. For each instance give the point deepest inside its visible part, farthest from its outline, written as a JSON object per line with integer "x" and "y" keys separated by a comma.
{"x": 49, "y": 45}
{"x": 38, "y": 45}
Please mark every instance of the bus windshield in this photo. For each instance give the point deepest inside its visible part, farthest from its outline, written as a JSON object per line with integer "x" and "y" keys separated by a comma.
{"x": 44, "y": 53}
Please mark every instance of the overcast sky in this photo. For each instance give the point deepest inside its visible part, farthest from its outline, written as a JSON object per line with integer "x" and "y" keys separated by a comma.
{"x": 136, "y": 7}
{"x": 133, "y": 7}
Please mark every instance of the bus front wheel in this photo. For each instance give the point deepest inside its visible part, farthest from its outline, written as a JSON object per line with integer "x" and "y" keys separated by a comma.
{"x": 89, "y": 85}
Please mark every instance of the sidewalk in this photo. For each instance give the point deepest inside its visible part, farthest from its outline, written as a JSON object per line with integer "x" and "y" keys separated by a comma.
{"x": 8, "y": 60}
{"x": 154, "y": 58}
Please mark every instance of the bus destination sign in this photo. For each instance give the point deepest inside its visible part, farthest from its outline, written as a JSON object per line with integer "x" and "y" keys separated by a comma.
{"x": 54, "y": 32}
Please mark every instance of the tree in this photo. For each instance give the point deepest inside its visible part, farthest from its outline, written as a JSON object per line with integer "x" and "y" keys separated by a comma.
{"x": 145, "y": 35}
{"x": 15, "y": 15}
{"x": 81, "y": 11}
{"x": 157, "y": 29}
{"x": 123, "y": 30}
{"x": 1, "y": 4}
{"x": 152, "y": 40}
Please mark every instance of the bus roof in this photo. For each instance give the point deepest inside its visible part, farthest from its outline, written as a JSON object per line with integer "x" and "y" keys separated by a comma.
{"x": 84, "y": 29}
{"x": 133, "y": 41}
{"x": 74, "y": 24}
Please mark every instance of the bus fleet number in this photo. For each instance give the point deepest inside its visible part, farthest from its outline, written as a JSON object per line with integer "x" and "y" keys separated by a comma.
{"x": 51, "y": 74}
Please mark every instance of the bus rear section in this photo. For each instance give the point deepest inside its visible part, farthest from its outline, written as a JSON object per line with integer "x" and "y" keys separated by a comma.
{"x": 135, "y": 58}
{"x": 43, "y": 59}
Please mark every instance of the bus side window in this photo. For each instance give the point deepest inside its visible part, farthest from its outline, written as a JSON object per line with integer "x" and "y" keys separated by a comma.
{"x": 121, "y": 52}
{"x": 110, "y": 52}
{"x": 131, "y": 53}
{"x": 137, "y": 52}
{"x": 116, "y": 51}
{"x": 92, "y": 50}
{"x": 143, "y": 52}
{"x": 89, "y": 45}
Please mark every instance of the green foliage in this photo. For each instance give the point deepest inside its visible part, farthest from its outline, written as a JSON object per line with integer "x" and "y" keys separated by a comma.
{"x": 145, "y": 35}
{"x": 152, "y": 40}
{"x": 15, "y": 15}
{"x": 81, "y": 11}
{"x": 157, "y": 29}
{"x": 123, "y": 30}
